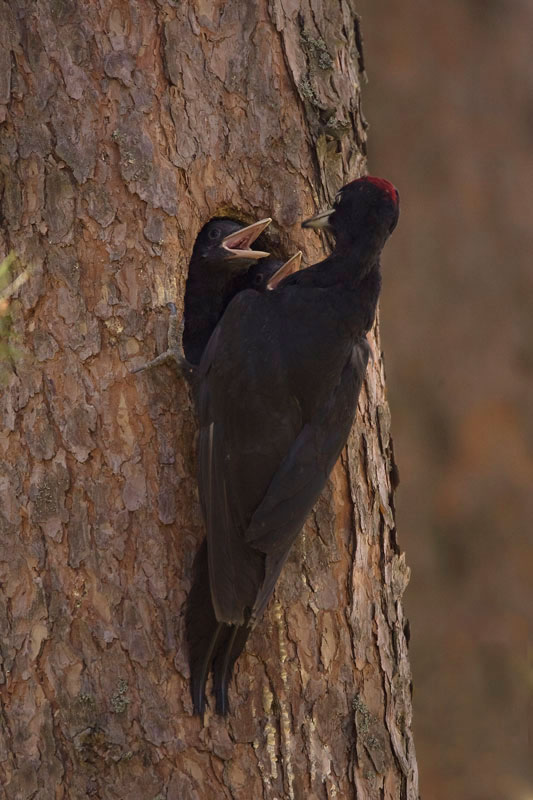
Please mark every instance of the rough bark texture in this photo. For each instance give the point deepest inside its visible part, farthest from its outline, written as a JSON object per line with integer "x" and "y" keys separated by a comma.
{"x": 126, "y": 126}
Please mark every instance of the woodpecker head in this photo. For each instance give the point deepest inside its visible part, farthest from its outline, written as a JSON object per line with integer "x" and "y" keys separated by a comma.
{"x": 365, "y": 208}
{"x": 226, "y": 244}
{"x": 266, "y": 275}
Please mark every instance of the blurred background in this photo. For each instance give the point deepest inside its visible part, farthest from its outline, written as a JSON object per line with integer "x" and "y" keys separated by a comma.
{"x": 450, "y": 107}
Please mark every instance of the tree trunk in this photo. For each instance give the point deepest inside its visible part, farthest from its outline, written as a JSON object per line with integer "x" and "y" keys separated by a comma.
{"x": 126, "y": 126}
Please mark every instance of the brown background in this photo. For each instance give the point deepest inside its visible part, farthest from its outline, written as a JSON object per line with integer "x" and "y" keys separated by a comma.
{"x": 450, "y": 106}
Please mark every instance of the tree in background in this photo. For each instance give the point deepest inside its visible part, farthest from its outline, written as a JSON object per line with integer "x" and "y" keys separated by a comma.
{"x": 124, "y": 128}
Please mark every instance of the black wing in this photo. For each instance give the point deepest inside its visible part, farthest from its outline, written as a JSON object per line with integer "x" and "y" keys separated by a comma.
{"x": 261, "y": 469}
{"x": 303, "y": 474}
{"x": 248, "y": 423}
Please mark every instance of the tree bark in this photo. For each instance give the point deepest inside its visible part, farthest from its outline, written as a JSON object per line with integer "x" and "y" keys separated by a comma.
{"x": 125, "y": 127}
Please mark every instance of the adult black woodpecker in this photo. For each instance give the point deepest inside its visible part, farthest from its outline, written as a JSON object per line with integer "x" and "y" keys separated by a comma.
{"x": 277, "y": 395}
{"x": 221, "y": 254}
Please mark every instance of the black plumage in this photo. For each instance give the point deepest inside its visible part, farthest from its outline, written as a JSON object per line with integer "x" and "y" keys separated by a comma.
{"x": 218, "y": 269}
{"x": 220, "y": 260}
{"x": 264, "y": 275}
{"x": 277, "y": 394}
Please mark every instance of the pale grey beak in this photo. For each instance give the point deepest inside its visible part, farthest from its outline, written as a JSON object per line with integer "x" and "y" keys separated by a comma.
{"x": 320, "y": 220}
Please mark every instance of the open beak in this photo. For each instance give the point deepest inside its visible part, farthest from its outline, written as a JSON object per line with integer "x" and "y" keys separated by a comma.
{"x": 290, "y": 266}
{"x": 320, "y": 220}
{"x": 238, "y": 244}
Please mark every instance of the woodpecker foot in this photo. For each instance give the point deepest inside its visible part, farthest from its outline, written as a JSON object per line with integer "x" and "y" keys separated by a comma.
{"x": 174, "y": 354}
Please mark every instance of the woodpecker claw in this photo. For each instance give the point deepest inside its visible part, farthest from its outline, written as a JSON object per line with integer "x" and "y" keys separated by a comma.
{"x": 174, "y": 353}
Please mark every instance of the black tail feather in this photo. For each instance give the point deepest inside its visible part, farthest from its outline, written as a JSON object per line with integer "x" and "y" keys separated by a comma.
{"x": 211, "y": 643}
{"x": 222, "y": 670}
{"x": 227, "y": 655}
{"x": 202, "y": 629}
{"x": 200, "y": 671}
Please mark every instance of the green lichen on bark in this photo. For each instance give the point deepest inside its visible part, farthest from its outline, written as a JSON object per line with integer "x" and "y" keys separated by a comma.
{"x": 119, "y": 699}
{"x": 8, "y": 287}
{"x": 316, "y": 49}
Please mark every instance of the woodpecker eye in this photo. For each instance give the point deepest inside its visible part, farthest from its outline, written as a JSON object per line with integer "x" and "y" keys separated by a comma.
{"x": 337, "y": 199}
{"x": 214, "y": 233}
{"x": 258, "y": 278}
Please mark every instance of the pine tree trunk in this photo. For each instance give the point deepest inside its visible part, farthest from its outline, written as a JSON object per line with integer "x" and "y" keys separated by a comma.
{"x": 125, "y": 127}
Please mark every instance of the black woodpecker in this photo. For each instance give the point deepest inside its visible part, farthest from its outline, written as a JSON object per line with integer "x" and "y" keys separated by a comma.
{"x": 277, "y": 391}
{"x": 220, "y": 258}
